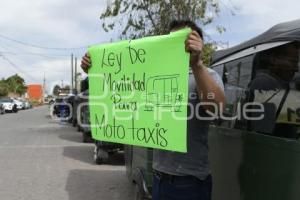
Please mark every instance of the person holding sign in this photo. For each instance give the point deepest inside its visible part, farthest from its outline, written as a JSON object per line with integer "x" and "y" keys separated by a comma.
{"x": 186, "y": 176}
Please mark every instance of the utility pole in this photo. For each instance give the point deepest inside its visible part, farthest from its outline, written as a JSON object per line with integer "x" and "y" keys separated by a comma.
{"x": 44, "y": 84}
{"x": 72, "y": 64}
{"x": 75, "y": 75}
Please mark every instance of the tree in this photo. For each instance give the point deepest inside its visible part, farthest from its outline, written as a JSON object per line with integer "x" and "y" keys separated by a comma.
{"x": 3, "y": 88}
{"x": 16, "y": 84}
{"x": 56, "y": 90}
{"x": 67, "y": 87}
{"x": 139, "y": 18}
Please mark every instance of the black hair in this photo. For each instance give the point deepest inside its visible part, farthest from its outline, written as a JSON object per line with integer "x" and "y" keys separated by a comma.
{"x": 186, "y": 23}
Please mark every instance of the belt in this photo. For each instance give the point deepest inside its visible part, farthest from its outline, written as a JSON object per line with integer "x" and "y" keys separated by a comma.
{"x": 169, "y": 177}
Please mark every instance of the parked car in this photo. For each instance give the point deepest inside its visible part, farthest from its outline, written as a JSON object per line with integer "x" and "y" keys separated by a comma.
{"x": 26, "y": 105}
{"x": 78, "y": 99}
{"x": 71, "y": 101}
{"x": 19, "y": 104}
{"x": 81, "y": 115}
{"x": 9, "y": 105}
{"x": 81, "y": 119}
{"x": 61, "y": 108}
{"x": 85, "y": 121}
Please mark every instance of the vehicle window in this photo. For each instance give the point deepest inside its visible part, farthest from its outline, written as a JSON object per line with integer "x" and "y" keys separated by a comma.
{"x": 219, "y": 69}
{"x": 275, "y": 84}
{"x": 238, "y": 72}
{"x": 5, "y": 100}
{"x": 236, "y": 76}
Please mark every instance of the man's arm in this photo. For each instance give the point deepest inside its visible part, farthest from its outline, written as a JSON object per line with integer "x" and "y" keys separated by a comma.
{"x": 206, "y": 84}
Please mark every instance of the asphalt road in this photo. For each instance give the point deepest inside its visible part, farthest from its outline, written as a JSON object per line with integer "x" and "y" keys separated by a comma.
{"x": 41, "y": 159}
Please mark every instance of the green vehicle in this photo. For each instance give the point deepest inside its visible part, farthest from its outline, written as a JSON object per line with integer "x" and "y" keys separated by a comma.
{"x": 253, "y": 155}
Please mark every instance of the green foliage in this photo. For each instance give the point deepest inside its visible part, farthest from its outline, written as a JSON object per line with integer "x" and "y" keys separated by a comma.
{"x": 208, "y": 50}
{"x": 3, "y": 88}
{"x": 35, "y": 102}
{"x": 14, "y": 84}
{"x": 56, "y": 90}
{"x": 67, "y": 87}
{"x": 139, "y": 18}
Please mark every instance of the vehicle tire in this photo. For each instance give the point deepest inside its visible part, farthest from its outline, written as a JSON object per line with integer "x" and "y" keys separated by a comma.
{"x": 78, "y": 128}
{"x": 74, "y": 123}
{"x": 15, "y": 110}
{"x": 85, "y": 137}
{"x": 138, "y": 192}
{"x": 100, "y": 156}
{"x": 98, "y": 160}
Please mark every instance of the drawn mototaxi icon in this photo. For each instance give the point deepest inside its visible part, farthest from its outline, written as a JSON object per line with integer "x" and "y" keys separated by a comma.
{"x": 162, "y": 91}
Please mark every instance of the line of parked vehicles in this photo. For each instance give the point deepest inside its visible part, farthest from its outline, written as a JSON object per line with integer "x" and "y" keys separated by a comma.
{"x": 12, "y": 105}
{"x": 74, "y": 109}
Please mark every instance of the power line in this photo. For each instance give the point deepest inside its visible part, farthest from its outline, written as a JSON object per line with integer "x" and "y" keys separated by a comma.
{"x": 17, "y": 67}
{"x": 24, "y": 52}
{"x": 40, "y": 47}
{"x": 34, "y": 54}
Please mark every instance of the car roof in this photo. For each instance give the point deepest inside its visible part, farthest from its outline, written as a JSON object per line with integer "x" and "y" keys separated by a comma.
{"x": 5, "y": 100}
{"x": 287, "y": 31}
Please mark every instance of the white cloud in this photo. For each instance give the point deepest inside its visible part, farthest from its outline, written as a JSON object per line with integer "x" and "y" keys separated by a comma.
{"x": 55, "y": 23}
{"x": 253, "y": 17}
{"x": 268, "y": 12}
{"x": 63, "y": 21}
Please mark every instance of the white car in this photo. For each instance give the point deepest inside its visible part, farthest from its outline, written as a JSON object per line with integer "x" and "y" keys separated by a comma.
{"x": 26, "y": 104}
{"x": 9, "y": 105}
{"x": 18, "y": 103}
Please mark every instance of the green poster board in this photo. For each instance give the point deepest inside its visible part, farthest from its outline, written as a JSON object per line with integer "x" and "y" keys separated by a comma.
{"x": 138, "y": 91}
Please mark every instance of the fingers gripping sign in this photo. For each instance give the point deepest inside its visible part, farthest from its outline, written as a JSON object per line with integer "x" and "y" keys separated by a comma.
{"x": 194, "y": 45}
{"x": 86, "y": 62}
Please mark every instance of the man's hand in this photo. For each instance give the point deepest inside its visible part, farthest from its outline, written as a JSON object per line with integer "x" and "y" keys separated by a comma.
{"x": 194, "y": 45}
{"x": 86, "y": 62}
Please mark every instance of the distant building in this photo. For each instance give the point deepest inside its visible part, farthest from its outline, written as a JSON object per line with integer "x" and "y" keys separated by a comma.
{"x": 35, "y": 92}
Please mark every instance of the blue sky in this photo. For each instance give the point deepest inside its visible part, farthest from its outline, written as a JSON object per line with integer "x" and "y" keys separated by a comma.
{"x": 68, "y": 24}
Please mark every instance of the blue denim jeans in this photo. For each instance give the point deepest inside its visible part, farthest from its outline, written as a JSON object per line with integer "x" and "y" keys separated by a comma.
{"x": 181, "y": 188}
